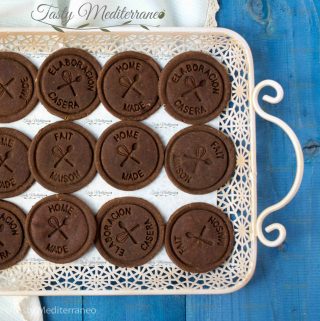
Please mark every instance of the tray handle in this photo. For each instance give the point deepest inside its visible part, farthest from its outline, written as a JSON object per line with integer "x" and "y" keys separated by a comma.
{"x": 299, "y": 159}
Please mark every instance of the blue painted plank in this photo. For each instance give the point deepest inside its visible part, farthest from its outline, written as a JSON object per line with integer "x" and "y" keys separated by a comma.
{"x": 138, "y": 308}
{"x": 284, "y": 38}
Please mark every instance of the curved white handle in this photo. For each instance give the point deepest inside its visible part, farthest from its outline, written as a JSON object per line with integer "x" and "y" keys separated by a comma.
{"x": 299, "y": 156}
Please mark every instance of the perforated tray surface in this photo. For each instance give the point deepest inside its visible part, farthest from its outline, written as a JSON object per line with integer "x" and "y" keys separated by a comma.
{"x": 92, "y": 274}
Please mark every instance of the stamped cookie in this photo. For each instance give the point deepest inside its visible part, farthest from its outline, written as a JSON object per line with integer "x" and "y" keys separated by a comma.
{"x": 15, "y": 175}
{"x": 130, "y": 231}
{"x": 61, "y": 157}
{"x": 67, "y": 83}
{"x": 13, "y": 244}
{"x": 61, "y": 228}
{"x": 199, "y": 237}
{"x": 129, "y": 155}
{"x": 17, "y": 87}
{"x": 128, "y": 85}
{"x": 194, "y": 87}
{"x": 200, "y": 159}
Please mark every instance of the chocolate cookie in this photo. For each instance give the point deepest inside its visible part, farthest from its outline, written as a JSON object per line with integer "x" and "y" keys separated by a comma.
{"x": 17, "y": 87}
{"x": 67, "y": 83}
{"x": 194, "y": 87}
{"x": 61, "y": 228}
{"x": 61, "y": 157}
{"x": 199, "y": 237}
{"x": 130, "y": 231}
{"x": 15, "y": 175}
{"x": 13, "y": 244}
{"x": 200, "y": 159}
{"x": 129, "y": 155}
{"x": 128, "y": 85}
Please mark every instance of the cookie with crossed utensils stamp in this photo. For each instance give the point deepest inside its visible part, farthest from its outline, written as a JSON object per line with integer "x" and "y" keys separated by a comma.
{"x": 17, "y": 86}
{"x": 62, "y": 157}
{"x": 13, "y": 245}
{"x": 67, "y": 83}
{"x": 61, "y": 228}
{"x": 194, "y": 87}
{"x": 199, "y": 237}
{"x": 129, "y": 155}
{"x": 130, "y": 231}
{"x": 15, "y": 176}
{"x": 128, "y": 85}
{"x": 200, "y": 159}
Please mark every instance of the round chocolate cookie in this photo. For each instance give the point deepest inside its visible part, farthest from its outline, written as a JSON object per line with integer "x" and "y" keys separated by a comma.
{"x": 61, "y": 228}
{"x": 67, "y": 83}
{"x": 200, "y": 159}
{"x": 17, "y": 87}
{"x": 13, "y": 244}
{"x": 61, "y": 157}
{"x": 129, "y": 155}
{"x": 130, "y": 231}
{"x": 199, "y": 237}
{"x": 128, "y": 85}
{"x": 194, "y": 87}
{"x": 15, "y": 175}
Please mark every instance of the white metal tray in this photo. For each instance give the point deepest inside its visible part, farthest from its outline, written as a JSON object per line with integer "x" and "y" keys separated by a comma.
{"x": 238, "y": 199}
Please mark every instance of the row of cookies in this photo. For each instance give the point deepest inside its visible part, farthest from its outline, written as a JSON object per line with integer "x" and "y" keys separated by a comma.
{"x": 64, "y": 157}
{"x": 193, "y": 86}
{"x": 127, "y": 232}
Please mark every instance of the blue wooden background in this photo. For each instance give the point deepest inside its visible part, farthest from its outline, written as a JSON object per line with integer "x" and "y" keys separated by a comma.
{"x": 285, "y": 40}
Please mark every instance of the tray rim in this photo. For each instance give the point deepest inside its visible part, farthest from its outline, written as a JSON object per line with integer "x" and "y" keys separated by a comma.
{"x": 253, "y": 165}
